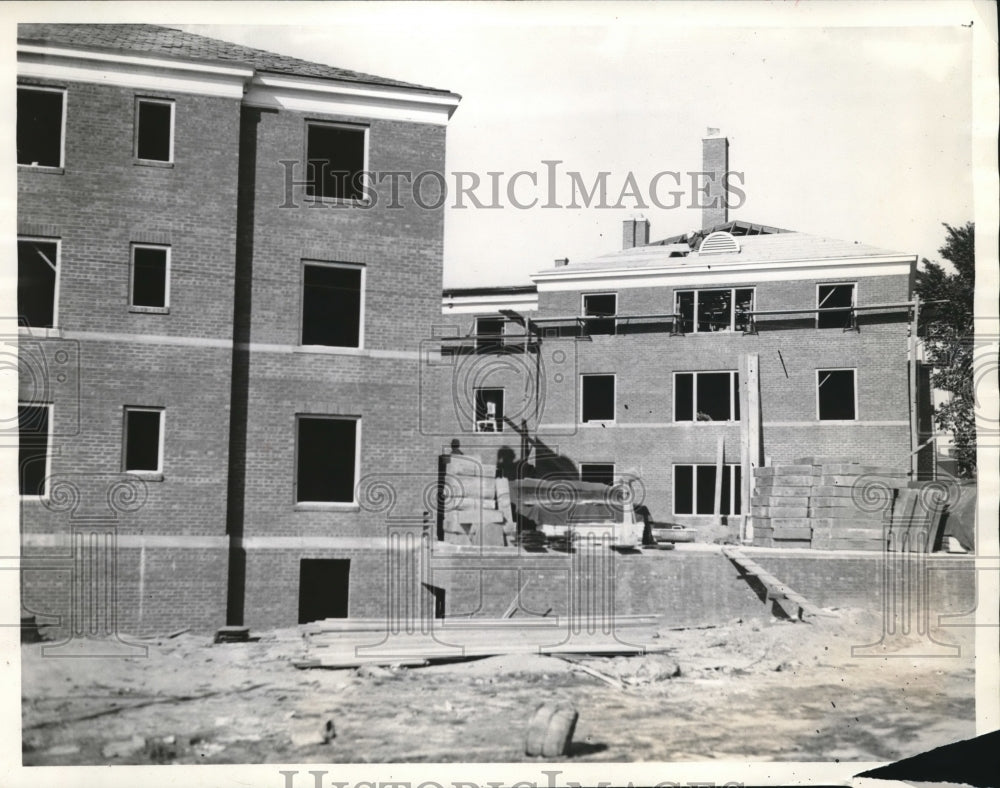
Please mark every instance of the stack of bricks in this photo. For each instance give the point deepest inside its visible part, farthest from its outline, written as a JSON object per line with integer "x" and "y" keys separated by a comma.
{"x": 477, "y": 506}
{"x": 817, "y": 503}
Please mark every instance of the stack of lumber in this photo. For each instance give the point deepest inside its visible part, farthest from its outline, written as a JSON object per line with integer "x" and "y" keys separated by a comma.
{"x": 346, "y": 643}
{"x": 916, "y": 519}
{"x": 824, "y": 503}
{"x": 780, "y": 505}
{"x": 477, "y": 510}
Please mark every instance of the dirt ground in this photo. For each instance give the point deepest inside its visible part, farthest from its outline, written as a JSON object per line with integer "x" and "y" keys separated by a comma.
{"x": 758, "y": 690}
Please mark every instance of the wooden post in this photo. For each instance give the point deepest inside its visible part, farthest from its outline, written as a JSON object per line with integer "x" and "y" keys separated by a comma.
{"x": 744, "y": 447}
{"x": 914, "y": 437}
{"x": 750, "y": 428}
{"x": 720, "y": 454}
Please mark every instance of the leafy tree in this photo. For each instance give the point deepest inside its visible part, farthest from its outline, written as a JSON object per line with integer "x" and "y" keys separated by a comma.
{"x": 947, "y": 330}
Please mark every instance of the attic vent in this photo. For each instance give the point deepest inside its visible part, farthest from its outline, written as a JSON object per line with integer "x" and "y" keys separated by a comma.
{"x": 719, "y": 243}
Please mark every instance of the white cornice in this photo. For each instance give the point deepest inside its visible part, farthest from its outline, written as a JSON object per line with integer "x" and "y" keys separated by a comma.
{"x": 64, "y": 64}
{"x": 332, "y": 97}
{"x": 276, "y": 91}
{"x": 716, "y": 273}
{"x": 478, "y": 304}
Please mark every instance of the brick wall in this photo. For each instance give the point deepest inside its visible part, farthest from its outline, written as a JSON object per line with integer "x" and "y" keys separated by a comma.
{"x": 644, "y": 358}
{"x": 401, "y": 251}
{"x": 101, "y": 202}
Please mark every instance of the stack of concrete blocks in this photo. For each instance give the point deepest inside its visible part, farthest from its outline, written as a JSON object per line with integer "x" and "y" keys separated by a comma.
{"x": 820, "y": 503}
{"x": 477, "y": 503}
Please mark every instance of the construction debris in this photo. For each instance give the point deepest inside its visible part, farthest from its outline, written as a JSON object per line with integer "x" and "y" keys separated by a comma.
{"x": 350, "y": 643}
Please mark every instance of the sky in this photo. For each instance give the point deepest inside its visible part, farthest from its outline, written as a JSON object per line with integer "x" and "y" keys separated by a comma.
{"x": 859, "y": 133}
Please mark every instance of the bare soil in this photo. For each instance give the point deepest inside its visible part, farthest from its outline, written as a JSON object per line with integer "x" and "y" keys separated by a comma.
{"x": 757, "y": 690}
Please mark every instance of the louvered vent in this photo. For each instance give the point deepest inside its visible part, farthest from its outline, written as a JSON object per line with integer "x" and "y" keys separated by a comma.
{"x": 719, "y": 243}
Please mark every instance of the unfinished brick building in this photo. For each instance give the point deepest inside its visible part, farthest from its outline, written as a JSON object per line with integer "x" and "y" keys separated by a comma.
{"x": 669, "y": 360}
{"x": 213, "y": 376}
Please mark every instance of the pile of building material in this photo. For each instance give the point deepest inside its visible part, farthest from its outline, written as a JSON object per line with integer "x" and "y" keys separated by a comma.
{"x": 572, "y": 509}
{"x": 347, "y": 643}
{"x": 476, "y": 503}
{"x": 826, "y": 503}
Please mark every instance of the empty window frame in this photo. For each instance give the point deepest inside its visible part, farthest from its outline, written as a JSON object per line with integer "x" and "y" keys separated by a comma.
{"x": 37, "y": 282}
{"x": 333, "y": 304}
{"x": 723, "y": 309}
{"x": 154, "y": 129}
{"x": 34, "y": 433}
{"x": 839, "y": 299}
{"x": 489, "y": 334}
{"x": 694, "y": 489}
{"x": 489, "y": 409}
{"x": 41, "y": 114}
{"x": 597, "y": 398}
{"x": 327, "y": 457}
{"x": 836, "y": 395}
{"x": 600, "y": 305}
{"x": 149, "y": 288}
{"x": 336, "y": 160}
{"x": 598, "y": 472}
{"x": 143, "y": 440}
{"x": 706, "y": 396}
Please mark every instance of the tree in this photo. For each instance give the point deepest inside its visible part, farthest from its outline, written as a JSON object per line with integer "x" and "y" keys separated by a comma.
{"x": 947, "y": 330}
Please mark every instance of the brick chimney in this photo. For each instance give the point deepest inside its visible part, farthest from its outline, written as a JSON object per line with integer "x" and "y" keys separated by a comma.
{"x": 715, "y": 162}
{"x": 561, "y": 261}
{"x": 635, "y": 232}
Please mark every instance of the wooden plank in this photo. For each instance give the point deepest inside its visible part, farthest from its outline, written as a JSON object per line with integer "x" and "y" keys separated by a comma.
{"x": 514, "y": 603}
{"x": 746, "y": 475}
{"x": 775, "y": 589}
{"x": 720, "y": 456}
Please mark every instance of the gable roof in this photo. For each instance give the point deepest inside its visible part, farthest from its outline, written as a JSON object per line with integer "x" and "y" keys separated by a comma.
{"x": 166, "y": 41}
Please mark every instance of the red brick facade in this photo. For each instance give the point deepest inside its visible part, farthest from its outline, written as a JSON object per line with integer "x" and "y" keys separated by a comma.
{"x": 216, "y": 536}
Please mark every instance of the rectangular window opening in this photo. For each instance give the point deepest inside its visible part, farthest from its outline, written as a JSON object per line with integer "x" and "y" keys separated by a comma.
{"x": 706, "y": 311}
{"x": 37, "y": 268}
{"x": 143, "y": 440}
{"x": 839, "y": 299}
{"x": 598, "y": 472}
{"x": 326, "y": 459}
{"x": 324, "y": 588}
{"x": 332, "y": 305}
{"x": 33, "y": 449}
{"x": 335, "y": 161}
{"x": 694, "y": 490}
{"x": 706, "y": 396}
{"x": 150, "y": 276}
{"x": 154, "y": 130}
{"x": 40, "y": 127}
{"x": 600, "y": 305}
{"x": 836, "y": 394}
{"x": 489, "y": 409}
{"x": 489, "y": 334}
{"x": 598, "y": 395}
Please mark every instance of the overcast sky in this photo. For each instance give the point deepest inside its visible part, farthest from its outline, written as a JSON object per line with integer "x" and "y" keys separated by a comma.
{"x": 855, "y": 133}
{"x": 860, "y": 133}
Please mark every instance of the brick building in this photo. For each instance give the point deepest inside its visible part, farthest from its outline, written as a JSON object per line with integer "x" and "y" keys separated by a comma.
{"x": 214, "y": 379}
{"x": 636, "y": 362}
